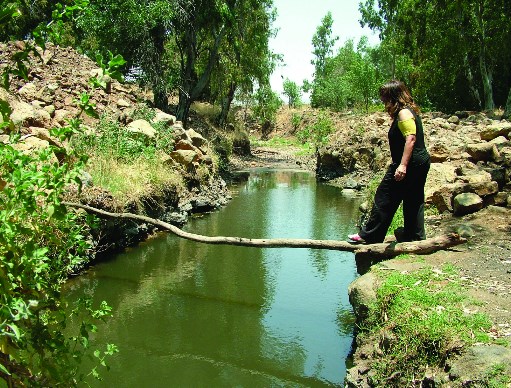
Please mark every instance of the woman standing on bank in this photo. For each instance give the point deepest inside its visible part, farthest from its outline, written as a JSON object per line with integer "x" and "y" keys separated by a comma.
{"x": 406, "y": 176}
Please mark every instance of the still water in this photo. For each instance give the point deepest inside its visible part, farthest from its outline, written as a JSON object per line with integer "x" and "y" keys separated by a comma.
{"x": 193, "y": 315}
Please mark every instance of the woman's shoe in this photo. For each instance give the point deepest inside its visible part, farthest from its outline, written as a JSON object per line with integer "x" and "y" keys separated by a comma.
{"x": 356, "y": 239}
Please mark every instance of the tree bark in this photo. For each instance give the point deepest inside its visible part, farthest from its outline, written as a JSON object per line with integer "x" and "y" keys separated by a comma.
{"x": 226, "y": 105}
{"x": 193, "y": 87}
{"x": 373, "y": 251}
{"x": 486, "y": 73}
{"x": 507, "y": 109}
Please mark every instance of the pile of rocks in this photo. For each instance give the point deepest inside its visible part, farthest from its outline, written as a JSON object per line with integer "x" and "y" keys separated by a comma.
{"x": 470, "y": 154}
{"x": 57, "y": 80}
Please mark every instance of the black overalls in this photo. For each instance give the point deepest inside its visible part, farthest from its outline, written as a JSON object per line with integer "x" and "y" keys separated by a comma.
{"x": 410, "y": 190}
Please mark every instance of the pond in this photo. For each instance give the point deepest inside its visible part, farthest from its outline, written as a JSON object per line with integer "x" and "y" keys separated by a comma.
{"x": 190, "y": 314}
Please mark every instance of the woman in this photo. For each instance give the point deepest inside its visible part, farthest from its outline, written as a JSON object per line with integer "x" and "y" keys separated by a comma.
{"x": 406, "y": 176}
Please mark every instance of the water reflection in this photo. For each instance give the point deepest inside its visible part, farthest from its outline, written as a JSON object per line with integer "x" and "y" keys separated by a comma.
{"x": 189, "y": 314}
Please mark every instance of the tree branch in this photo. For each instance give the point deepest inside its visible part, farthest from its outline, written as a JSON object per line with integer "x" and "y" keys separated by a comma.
{"x": 383, "y": 250}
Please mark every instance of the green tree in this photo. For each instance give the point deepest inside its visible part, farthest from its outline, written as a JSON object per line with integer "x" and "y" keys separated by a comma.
{"x": 265, "y": 106}
{"x": 245, "y": 58}
{"x": 139, "y": 31}
{"x": 293, "y": 93}
{"x": 458, "y": 50}
{"x": 323, "y": 44}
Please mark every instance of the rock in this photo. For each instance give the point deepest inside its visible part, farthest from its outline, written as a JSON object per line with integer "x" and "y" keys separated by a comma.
{"x": 380, "y": 120}
{"x": 467, "y": 203}
{"x": 197, "y": 139}
{"x": 439, "y": 153}
{"x": 495, "y": 130}
{"x": 477, "y": 177}
{"x": 439, "y": 175}
{"x": 142, "y": 127}
{"x": 453, "y": 119}
{"x": 497, "y": 174}
{"x": 50, "y": 109}
{"x": 500, "y": 199}
{"x": 476, "y": 364}
{"x": 362, "y": 293}
{"x": 185, "y": 157}
{"x": 122, "y": 103}
{"x": 186, "y": 145}
{"x": 61, "y": 115}
{"x": 352, "y": 184}
{"x": 483, "y": 151}
{"x": 165, "y": 118}
{"x": 505, "y": 154}
{"x": 500, "y": 142}
{"x": 31, "y": 145}
{"x": 25, "y": 114}
{"x": 441, "y": 198}
{"x": 28, "y": 91}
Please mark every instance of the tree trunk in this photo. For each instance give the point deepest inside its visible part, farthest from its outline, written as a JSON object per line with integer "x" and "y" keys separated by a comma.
{"x": 486, "y": 74}
{"x": 507, "y": 109}
{"x": 159, "y": 83}
{"x": 373, "y": 251}
{"x": 190, "y": 91}
{"x": 487, "y": 79}
{"x": 226, "y": 105}
{"x": 471, "y": 83}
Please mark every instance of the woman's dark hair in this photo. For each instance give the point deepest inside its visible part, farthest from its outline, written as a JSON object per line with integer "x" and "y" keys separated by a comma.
{"x": 397, "y": 95}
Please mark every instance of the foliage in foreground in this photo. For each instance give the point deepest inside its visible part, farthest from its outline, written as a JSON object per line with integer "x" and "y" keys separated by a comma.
{"x": 422, "y": 318}
{"x": 41, "y": 243}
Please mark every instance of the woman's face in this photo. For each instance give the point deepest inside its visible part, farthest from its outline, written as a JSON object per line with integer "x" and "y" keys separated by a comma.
{"x": 387, "y": 104}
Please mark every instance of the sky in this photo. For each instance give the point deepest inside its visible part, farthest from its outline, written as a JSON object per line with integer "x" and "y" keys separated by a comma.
{"x": 297, "y": 21}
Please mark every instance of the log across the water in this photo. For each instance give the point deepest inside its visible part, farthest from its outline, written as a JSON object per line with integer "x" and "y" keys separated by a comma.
{"x": 374, "y": 251}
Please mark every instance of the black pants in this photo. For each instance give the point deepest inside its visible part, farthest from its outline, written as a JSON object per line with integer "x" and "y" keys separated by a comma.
{"x": 387, "y": 199}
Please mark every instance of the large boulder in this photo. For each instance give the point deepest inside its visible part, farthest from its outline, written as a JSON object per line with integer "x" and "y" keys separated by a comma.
{"x": 195, "y": 137}
{"x": 26, "y": 114}
{"x": 165, "y": 118}
{"x": 483, "y": 151}
{"x": 495, "y": 130}
{"x": 362, "y": 294}
{"x": 440, "y": 175}
{"x": 142, "y": 127}
{"x": 473, "y": 366}
{"x": 467, "y": 203}
{"x": 186, "y": 158}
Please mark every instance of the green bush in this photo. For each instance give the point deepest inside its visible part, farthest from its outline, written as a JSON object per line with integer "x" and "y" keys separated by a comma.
{"x": 41, "y": 243}
{"x": 317, "y": 133}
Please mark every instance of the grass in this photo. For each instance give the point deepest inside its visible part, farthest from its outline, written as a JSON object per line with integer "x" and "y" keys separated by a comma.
{"x": 497, "y": 377}
{"x": 424, "y": 314}
{"x": 127, "y": 164}
{"x": 134, "y": 179}
{"x": 284, "y": 142}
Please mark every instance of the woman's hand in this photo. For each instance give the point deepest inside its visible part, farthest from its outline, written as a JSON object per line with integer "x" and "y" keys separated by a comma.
{"x": 400, "y": 173}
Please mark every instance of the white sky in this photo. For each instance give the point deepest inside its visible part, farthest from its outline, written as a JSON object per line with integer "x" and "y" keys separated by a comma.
{"x": 297, "y": 21}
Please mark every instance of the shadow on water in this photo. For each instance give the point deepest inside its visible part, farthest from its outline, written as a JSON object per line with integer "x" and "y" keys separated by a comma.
{"x": 190, "y": 314}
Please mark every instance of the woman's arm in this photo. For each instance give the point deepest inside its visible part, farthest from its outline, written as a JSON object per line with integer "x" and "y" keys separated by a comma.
{"x": 404, "y": 115}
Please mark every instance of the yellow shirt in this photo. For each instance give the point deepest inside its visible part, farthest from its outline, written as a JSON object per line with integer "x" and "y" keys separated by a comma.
{"x": 407, "y": 127}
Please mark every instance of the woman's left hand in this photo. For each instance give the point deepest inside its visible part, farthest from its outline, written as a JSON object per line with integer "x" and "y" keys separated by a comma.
{"x": 400, "y": 173}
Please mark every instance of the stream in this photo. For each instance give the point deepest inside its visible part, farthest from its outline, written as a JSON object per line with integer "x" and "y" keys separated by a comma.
{"x": 190, "y": 314}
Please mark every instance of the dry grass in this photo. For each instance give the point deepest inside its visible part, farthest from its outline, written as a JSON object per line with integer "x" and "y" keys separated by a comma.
{"x": 134, "y": 180}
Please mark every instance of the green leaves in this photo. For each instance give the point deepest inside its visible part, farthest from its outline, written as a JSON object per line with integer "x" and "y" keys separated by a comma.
{"x": 293, "y": 93}
{"x": 8, "y": 12}
{"x": 86, "y": 105}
